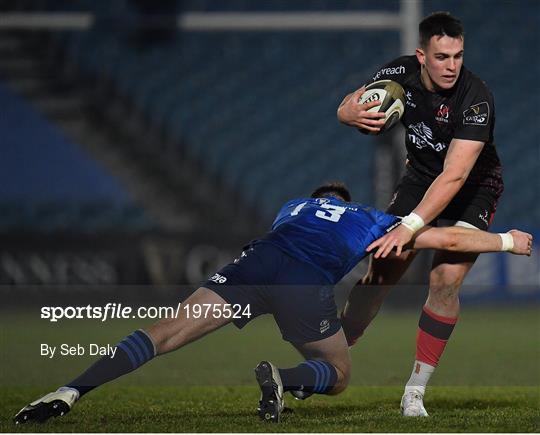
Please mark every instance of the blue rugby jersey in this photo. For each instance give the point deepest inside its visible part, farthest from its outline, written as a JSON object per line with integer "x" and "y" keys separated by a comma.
{"x": 330, "y": 234}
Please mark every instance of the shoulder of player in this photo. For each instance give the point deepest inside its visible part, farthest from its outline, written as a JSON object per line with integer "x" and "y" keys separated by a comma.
{"x": 294, "y": 202}
{"x": 471, "y": 83}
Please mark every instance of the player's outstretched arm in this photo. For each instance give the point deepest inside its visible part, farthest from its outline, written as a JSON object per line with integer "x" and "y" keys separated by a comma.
{"x": 463, "y": 240}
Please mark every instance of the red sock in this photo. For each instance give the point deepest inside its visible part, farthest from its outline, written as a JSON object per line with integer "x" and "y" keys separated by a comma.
{"x": 433, "y": 334}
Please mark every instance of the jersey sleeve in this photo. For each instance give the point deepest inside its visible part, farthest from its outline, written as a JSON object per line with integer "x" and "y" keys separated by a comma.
{"x": 379, "y": 224}
{"x": 383, "y": 220}
{"x": 386, "y": 221}
{"x": 476, "y": 115}
{"x": 395, "y": 70}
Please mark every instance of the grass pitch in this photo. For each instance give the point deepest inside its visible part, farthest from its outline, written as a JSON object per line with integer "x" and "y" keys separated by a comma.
{"x": 488, "y": 380}
{"x": 232, "y": 409}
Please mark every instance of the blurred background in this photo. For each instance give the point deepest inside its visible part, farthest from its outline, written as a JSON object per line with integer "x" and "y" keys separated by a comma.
{"x": 145, "y": 142}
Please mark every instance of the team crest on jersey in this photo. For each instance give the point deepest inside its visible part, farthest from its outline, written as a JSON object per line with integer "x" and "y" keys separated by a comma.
{"x": 422, "y": 136}
{"x": 478, "y": 114}
{"x": 443, "y": 113}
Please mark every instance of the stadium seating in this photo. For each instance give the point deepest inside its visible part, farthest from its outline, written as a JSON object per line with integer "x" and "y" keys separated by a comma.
{"x": 256, "y": 110}
{"x": 52, "y": 186}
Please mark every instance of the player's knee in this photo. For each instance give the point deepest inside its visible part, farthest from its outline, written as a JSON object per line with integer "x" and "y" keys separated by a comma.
{"x": 444, "y": 292}
{"x": 446, "y": 281}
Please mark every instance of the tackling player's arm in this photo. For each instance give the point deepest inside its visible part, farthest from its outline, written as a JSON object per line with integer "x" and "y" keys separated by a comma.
{"x": 461, "y": 239}
{"x": 460, "y": 159}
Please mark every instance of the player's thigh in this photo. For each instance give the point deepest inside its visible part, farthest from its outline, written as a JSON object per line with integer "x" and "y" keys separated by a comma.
{"x": 472, "y": 207}
{"x": 243, "y": 283}
{"x": 407, "y": 195}
{"x": 389, "y": 270}
{"x": 302, "y": 302}
{"x": 333, "y": 349}
{"x": 191, "y": 322}
{"x": 232, "y": 294}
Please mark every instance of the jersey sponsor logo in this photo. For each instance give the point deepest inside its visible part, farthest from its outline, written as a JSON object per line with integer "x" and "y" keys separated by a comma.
{"x": 422, "y": 137}
{"x": 443, "y": 113}
{"x": 389, "y": 72}
{"x": 218, "y": 279}
{"x": 325, "y": 326}
{"x": 408, "y": 100}
{"x": 477, "y": 114}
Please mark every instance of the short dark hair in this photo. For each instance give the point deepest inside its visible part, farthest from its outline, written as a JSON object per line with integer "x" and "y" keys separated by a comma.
{"x": 441, "y": 24}
{"x": 335, "y": 188}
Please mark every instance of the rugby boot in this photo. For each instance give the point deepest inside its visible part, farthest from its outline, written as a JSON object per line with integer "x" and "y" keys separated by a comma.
{"x": 53, "y": 404}
{"x": 271, "y": 403}
{"x": 412, "y": 404}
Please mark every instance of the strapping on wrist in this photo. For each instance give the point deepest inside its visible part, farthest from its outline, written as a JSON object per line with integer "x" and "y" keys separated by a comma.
{"x": 507, "y": 241}
{"x": 413, "y": 222}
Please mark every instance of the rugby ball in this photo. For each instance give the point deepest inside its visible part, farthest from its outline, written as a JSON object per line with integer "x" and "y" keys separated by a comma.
{"x": 392, "y": 98}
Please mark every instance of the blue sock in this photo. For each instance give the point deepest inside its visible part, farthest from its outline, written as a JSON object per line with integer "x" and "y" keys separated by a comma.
{"x": 312, "y": 376}
{"x": 132, "y": 352}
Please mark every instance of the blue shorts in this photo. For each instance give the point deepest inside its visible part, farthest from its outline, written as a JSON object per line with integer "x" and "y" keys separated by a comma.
{"x": 270, "y": 281}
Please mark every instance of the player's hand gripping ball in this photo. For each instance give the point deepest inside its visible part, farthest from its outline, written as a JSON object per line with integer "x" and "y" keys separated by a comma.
{"x": 392, "y": 102}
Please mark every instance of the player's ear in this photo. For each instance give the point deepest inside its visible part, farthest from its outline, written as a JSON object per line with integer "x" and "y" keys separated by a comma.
{"x": 421, "y": 56}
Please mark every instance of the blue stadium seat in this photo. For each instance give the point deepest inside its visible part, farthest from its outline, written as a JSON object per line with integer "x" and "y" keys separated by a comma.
{"x": 252, "y": 106}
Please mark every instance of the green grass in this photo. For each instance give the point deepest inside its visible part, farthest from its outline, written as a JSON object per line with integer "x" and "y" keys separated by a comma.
{"x": 488, "y": 380}
{"x": 232, "y": 409}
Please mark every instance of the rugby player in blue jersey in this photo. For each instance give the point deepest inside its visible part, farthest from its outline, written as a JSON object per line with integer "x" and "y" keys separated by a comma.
{"x": 290, "y": 273}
